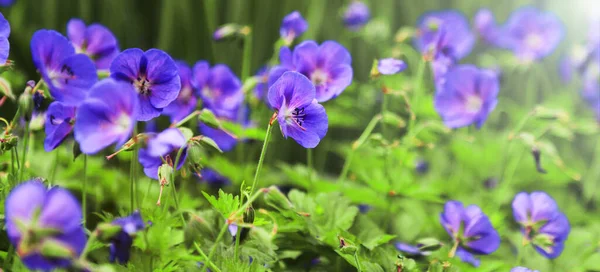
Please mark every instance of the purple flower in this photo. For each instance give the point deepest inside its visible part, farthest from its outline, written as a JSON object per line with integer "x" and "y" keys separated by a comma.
{"x": 159, "y": 147}
{"x": 467, "y": 96}
{"x": 444, "y": 32}
{"x": 69, "y": 76}
{"x": 121, "y": 244}
{"x": 522, "y": 269}
{"x": 95, "y": 40}
{"x": 327, "y": 66}
{"x": 541, "y": 222}
{"x": 485, "y": 24}
{"x": 153, "y": 74}
{"x": 390, "y": 66}
{"x": 470, "y": 229}
{"x": 107, "y": 116}
{"x": 58, "y": 125}
{"x": 186, "y": 101}
{"x": 293, "y": 25}
{"x": 6, "y": 3}
{"x": 364, "y": 208}
{"x": 37, "y": 217}
{"x": 356, "y": 16}
{"x": 531, "y": 34}
{"x": 219, "y": 88}
{"x": 212, "y": 177}
{"x": 4, "y": 44}
{"x": 262, "y": 86}
{"x": 300, "y": 116}
{"x": 422, "y": 166}
{"x": 408, "y": 249}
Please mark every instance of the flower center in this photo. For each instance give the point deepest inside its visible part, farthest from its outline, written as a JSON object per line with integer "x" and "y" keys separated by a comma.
{"x": 296, "y": 116}
{"x": 123, "y": 122}
{"x": 534, "y": 41}
{"x": 142, "y": 85}
{"x": 185, "y": 95}
{"x": 318, "y": 77}
{"x": 474, "y": 103}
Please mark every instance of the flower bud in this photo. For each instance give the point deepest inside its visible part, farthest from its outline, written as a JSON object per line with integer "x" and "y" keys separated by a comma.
{"x": 107, "y": 231}
{"x": 277, "y": 200}
{"x": 8, "y": 142}
{"x": 227, "y": 31}
{"x": 349, "y": 249}
{"x": 165, "y": 172}
{"x": 26, "y": 105}
{"x": 51, "y": 248}
{"x": 195, "y": 152}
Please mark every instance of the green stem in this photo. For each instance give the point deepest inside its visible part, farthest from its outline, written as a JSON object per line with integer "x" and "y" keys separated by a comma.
{"x": 361, "y": 140}
{"x": 88, "y": 246}
{"x": 453, "y": 250}
{"x": 384, "y": 104}
{"x": 262, "y": 157}
{"x": 416, "y": 91}
{"x": 247, "y": 57}
{"x": 9, "y": 254}
{"x": 84, "y": 191}
{"x": 310, "y": 165}
{"x": 54, "y": 167}
{"x": 358, "y": 266}
{"x": 132, "y": 173}
{"x": 209, "y": 263}
{"x": 236, "y": 253}
{"x": 24, "y": 151}
{"x": 174, "y": 190}
{"x": 187, "y": 118}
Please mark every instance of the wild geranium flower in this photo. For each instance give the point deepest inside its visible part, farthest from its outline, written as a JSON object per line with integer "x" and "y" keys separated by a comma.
{"x": 213, "y": 177}
{"x": 522, "y": 269}
{"x": 4, "y": 44}
{"x": 390, "y": 66}
{"x": 162, "y": 146}
{"x": 471, "y": 231}
{"x": 485, "y": 24}
{"x": 328, "y": 66}
{"x": 293, "y": 25}
{"x": 153, "y": 74}
{"x": 107, "y": 116}
{"x": 95, "y": 40}
{"x": 69, "y": 76}
{"x": 299, "y": 114}
{"x": 531, "y": 34}
{"x": 60, "y": 119}
{"x": 467, "y": 96}
{"x": 219, "y": 88}
{"x": 542, "y": 223}
{"x": 120, "y": 245}
{"x": 357, "y": 15}
{"x": 444, "y": 32}
{"x": 37, "y": 218}
{"x": 186, "y": 101}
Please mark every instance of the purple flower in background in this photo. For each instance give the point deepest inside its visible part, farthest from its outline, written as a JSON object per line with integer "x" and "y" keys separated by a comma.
{"x": 591, "y": 86}
{"x": 408, "y": 249}
{"x": 292, "y": 26}
{"x": 262, "y": 86}
{"x": 390, "y": 66}
{"x": 4, "y": 44}
{"x": 107, "y": 116}
{"x": 120, "y": 245}
{"x": 6, "y": 3}
{"x": 471, "y": 231}
{"x": 59, "y": 124}
{"x": 219, "y": 88}
{"x": 531, "y": 34}
{"x": 574, "y": 61}
{"x": 522, "y": 269}
{"x": 95, "y": 40}
{"x": 186, "y": 101}
{"x": 357, "y": 15}
{"x": 444, "y": 32}
{"x": 37, "y": 217}
{"x": 153, "y": 74}
{"x": 299, "y": 114}
{"x": 327, "y": 66}
{"x": 69, "y": 76}
{"x": 364, "y": 208}
{"x": 213, "y": 178}
{"x": 158, "y": 147}
{"x": 467, "y": 96}
{"x": 485, "y": 24}
{"x": 542, "y": 223}
{"x": 422, "y": 166}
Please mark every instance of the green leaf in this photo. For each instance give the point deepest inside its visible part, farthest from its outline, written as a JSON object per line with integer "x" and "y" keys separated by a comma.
{"x": 225, "y": 204}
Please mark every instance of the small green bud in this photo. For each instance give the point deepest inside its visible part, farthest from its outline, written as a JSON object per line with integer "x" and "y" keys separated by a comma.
{"x": 349, "y": 249}
{"x": 187, "y": 133}
{"x": 249, "y": 215}
{"x": 107, "y": 231}
{"x": 26, "y": 105}
{"x": 276, "y": 199}
{"x": 165, "y": 172}
{"x": 207, "y": 142}
{"x": 8, "y": 142}
{"x": 6, "y": 89}
{"x": 51, "y": 248}
{"x": 195, "y": 152}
